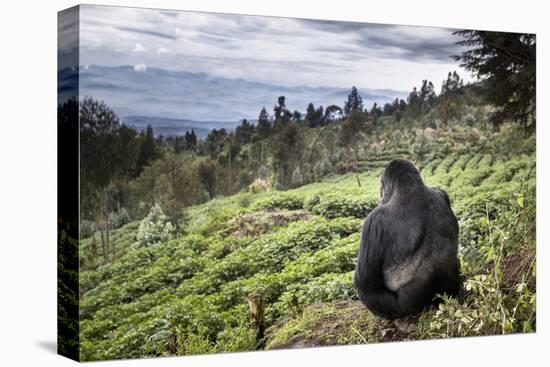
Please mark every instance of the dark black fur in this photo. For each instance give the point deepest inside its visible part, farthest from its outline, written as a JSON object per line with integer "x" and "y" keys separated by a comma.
{"x": 409, "y": 243}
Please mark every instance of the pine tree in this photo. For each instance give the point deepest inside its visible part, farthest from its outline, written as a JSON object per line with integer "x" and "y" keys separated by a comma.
{"x": 506, "y": 62}
{"x": 310, "y": 114}
{"x": 193, "y": 139}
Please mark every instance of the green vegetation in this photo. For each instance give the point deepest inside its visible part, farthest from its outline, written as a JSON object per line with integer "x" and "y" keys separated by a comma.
{"x": 297, "y": 249}
{"x": 248, "y": 239}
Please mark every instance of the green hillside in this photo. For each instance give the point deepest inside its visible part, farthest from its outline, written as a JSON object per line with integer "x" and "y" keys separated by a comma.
{"x": 295, "y": 250}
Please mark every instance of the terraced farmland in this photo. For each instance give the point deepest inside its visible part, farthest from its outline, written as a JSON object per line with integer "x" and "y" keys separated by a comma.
{"x": 296, "y": 251}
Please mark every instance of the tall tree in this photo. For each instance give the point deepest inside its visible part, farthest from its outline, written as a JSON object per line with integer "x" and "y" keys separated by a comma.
{"x": 148, "y": 149}
{"x": 215, "y": 142}
{"x": 243, "y": 132}
{"x": 105, "y": 154}
{"x": 287, "y": 151}
{"x": 413, "y": 100}
{"x": 282, "y": 115}
{"x": 264, "y": 126}
{"x": 388, "y": 109}
{"x": 318, "y": 116}
{"x": 310, "y": 114}
{"x": 427, "y": 93}
{"x": 349, "y": 137}
{"x": 179, "y": 143}
{"x": 375, "y": 110}
{"x": 354, "y": 103}
{"x": 171, "y": 181}
{"x": 296, "y": 116}
{"x": 190, "y": 140}
{"x": 129, "y": 149}
{"x": 450, "y": 89}
{"x": 332, "y": 113}
{"x": 207, "y": 176}
{"x": 506, "y": 62}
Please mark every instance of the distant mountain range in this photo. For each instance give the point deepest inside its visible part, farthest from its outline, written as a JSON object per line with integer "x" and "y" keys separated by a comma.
{"x": 176, "y": 127}
{"x": 178, "y": 100}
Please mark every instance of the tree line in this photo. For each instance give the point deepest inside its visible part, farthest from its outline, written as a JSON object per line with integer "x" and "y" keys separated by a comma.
{"x": 124, "y": 172}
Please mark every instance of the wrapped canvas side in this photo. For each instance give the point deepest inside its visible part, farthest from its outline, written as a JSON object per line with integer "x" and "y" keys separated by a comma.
{"x": 68, "y": 184}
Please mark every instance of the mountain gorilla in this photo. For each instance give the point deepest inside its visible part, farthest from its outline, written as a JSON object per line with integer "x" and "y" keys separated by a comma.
{"x": 409, "y": 246}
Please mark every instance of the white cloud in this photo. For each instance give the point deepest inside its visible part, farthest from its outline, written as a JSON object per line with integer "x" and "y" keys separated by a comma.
{"x": 140, "y": 68}
{"x": 139, "y": 48}
{"x": 281, "y": 51}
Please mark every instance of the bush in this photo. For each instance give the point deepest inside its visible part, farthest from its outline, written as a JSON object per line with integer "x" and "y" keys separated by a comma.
{"x": 154, "y": 229}
{"x": 327, "y": 287}
{"x": 119, "y": 218}
{"x": 397, "y": 136}
{"x": 259, "y": 185}
{"x": 322, "y": 168}
{"x": 279, "y": 201}
{"x": 236, "y": 339}
{"x": 334, "y": 206}
{"x": 189, "y": 342}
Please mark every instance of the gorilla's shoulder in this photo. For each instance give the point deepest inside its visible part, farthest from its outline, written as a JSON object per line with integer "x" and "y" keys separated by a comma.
{"x": 379, "y": 211}
{"x": 377, "y": 216}
{"x": 441, "y": 194}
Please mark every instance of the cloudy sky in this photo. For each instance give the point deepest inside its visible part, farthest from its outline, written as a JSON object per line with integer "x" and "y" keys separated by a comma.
{"x": 281, "y": 51}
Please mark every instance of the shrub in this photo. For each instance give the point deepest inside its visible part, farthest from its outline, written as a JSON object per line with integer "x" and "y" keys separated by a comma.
{"x": 279, "y": 201}
{"x": 322, "y": 168}
{"x": 236, "y": 339}
{"x": 333, "y": 206}
{"x": 189, "y": 342}
{"x": 154, "y": 229}
{"x": 397, "y": 136}
{"x": 119, "y": 218}
{"x": 337, "y": 157}
{"x": 327, "y": 287}
{"x": 259, "y": 185}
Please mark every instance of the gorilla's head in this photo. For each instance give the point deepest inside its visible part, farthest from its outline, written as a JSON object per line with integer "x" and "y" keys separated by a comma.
{"x": 399, "y": 175}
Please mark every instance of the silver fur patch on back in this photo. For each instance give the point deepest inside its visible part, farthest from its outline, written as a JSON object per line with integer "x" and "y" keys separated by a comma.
{"x": 398, "y": 275}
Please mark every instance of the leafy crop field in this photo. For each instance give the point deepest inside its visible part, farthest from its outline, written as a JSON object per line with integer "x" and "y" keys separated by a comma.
{"x": 296, "y": 251}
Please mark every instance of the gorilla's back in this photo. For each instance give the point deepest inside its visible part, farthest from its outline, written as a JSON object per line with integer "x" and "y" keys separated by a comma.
{"x": 424, "y": 233}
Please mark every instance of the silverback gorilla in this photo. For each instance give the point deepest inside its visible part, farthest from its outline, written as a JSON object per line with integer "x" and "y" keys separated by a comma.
{"x": 409, "y": 246}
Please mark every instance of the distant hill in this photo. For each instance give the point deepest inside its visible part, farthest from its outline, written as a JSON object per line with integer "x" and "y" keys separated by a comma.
{"x": 202, "y": 97}
{"x": 176, "y": 127}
